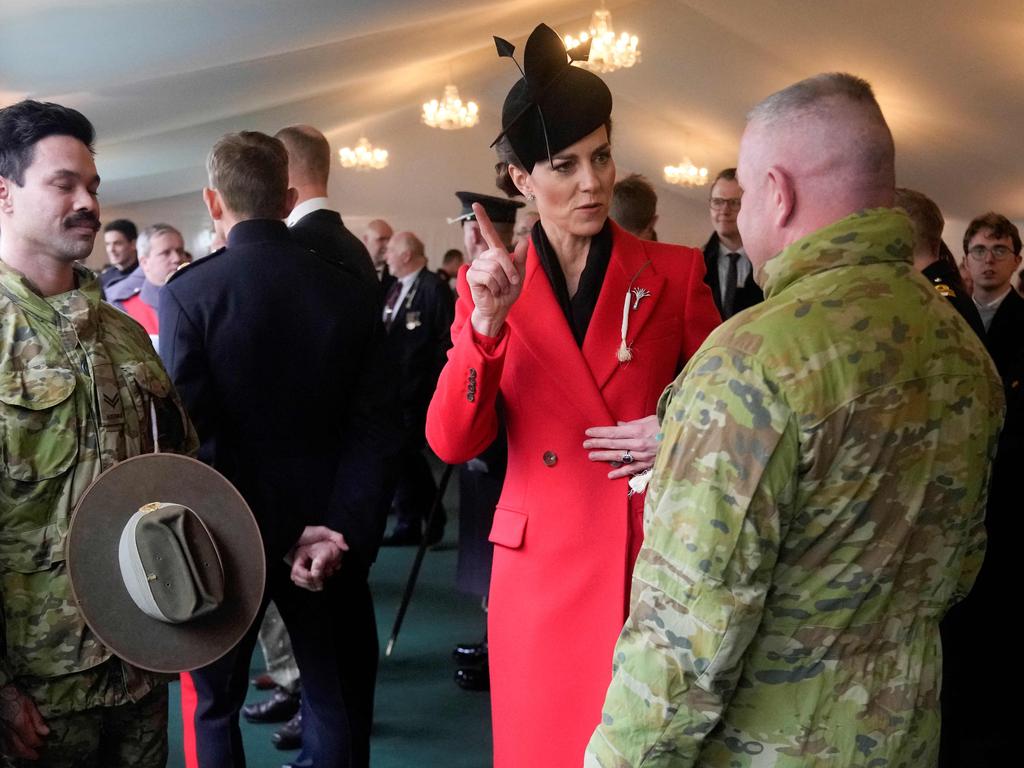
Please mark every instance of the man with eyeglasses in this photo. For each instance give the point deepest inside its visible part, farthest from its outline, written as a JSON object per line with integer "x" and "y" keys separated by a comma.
{"x": 728, "y": 270}
{"x": 974, "y": 734}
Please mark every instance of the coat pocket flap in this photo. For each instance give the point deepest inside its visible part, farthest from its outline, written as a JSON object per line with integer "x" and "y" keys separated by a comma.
{"x": 508, "y": 528}
{"x": 36, "y": 388}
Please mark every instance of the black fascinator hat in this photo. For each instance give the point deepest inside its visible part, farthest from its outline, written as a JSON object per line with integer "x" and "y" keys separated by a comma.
{"x": 554, "y": 104}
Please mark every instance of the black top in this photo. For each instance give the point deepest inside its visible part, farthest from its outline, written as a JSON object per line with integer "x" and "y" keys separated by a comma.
{"x": 278, "y": 355}
{"x": 747, "y": 295}
{"x": 579, "y": 308}
{"x": 325, "y": 232}
{"x": 947, "y": 281}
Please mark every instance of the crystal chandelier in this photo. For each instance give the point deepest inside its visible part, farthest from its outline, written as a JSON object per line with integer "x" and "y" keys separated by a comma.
{"x": 686, "y": 174}
{"x": 364, "y": 157}
{"x": 451, "y": 113}
{"x": 607, "y": 52}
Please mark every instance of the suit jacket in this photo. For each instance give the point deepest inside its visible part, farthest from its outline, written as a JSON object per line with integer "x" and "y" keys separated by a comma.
{"x": 564, "y": 533}
{"x": 747, "y": 295}
{"x": 276, "y": 351}
{"x": 417, "y": 341}
{"x": 1004, "y": 337}
{"x": 324, "y": 232}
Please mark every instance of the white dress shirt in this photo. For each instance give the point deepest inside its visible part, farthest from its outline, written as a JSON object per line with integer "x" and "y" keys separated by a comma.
{"x": 306, "y": 207}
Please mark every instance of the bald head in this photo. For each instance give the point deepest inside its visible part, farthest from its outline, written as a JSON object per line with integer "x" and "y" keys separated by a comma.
{"x": 375, "y": 238}
{"x": 812, "y": 154}
{"x": 309, "y": 159}
{"x": 405, "y": 254}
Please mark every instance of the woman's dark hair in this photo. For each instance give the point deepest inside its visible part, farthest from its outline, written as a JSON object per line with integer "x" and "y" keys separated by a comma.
{"x": 507, "y": 157}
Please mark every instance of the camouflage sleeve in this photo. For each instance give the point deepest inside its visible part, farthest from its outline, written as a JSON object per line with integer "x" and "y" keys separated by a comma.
{"x": 712, "y": 529}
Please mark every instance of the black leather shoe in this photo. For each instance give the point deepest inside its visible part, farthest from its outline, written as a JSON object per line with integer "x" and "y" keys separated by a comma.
{"x": 470, "y": 654}
{"x": 402, "y": 536}
{"x": 473, "y": 679}
{"x": 277, "y": 709}
{"x": 289, "y": 735}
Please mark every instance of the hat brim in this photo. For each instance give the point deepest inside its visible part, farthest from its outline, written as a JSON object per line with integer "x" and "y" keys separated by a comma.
{"x": 94, "y": 570}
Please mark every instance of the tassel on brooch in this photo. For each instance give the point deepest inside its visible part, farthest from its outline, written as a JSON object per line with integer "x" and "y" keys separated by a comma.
{"x": 625, "y": 354}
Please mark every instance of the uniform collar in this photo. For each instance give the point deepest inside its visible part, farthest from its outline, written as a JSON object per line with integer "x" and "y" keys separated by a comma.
{"x": 24, "y": 290}
{"x": 867, "y": 237}
{"x": 255, "y": 231}
{"x": 307, "y": 207}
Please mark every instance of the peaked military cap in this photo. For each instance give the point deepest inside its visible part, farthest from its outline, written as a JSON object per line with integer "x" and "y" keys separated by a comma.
{"x": 554, "y": 104}
{"x": 500, "y": 210}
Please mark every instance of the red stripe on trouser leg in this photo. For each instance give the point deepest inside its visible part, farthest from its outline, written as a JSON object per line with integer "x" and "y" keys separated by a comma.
{"x": 188, "y": 720}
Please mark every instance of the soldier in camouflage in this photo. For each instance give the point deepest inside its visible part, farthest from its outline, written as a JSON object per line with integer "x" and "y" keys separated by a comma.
{"x": 80, "y": 389}
{"x": 817, "y": 503}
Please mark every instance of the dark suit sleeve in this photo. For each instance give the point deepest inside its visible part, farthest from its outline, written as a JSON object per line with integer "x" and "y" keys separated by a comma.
{"x": 181, "y": 347}
{"x": 359, "y": 500}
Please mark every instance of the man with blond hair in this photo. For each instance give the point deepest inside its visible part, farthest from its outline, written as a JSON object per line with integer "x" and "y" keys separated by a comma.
{"x": 818, "y": 500}
{"x": 312, "y": 221}
{"x": 292, "y": 404}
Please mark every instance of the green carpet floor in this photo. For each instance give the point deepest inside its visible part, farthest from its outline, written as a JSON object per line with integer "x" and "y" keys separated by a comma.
{"x": 422, "y": 719}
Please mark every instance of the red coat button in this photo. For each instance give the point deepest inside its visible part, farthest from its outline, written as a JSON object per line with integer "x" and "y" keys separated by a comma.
{"x": 550, "y": 458}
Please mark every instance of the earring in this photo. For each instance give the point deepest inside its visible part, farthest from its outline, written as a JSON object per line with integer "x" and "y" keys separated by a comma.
{"x": 530, "y": 196}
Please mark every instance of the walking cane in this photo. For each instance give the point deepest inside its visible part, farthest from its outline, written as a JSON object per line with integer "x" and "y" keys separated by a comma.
{"x": 410, "y": 585}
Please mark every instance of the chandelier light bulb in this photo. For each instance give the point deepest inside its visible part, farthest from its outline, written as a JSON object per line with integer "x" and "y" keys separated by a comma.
{"x": 607, "y": 52}
{"x": 450, "y": 113}
{"x": 686, "y": 174}
{"x": 363, "y": 157}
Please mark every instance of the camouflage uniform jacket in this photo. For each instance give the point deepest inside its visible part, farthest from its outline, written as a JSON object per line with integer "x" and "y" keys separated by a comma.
{"x": 816, "y": 506}
{"x": 76, "y": 381}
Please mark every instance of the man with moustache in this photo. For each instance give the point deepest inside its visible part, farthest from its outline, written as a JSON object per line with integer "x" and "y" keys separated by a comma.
{"x": 78, "y": 382}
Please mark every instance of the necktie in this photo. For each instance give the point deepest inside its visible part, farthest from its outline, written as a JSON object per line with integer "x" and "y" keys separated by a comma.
{"x": 730, "y": 286}
{"x": 390, "y": 301}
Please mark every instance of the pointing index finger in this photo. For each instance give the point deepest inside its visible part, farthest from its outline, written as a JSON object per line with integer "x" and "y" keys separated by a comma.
{"x": 487, "y": 228}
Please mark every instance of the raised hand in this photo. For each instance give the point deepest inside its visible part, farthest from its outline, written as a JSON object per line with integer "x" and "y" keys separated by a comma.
{"x": 495, "y": 278}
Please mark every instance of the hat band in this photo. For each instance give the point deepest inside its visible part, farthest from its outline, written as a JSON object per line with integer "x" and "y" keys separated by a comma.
{"x": 133, "y": 573}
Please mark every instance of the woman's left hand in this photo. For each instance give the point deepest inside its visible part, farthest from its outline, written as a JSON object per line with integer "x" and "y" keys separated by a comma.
{"x": 636, "y": 440}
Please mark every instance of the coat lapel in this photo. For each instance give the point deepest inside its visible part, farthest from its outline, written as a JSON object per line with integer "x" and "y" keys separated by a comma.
{"x": 539, "y": 324}
{"x": 629, "y": 268}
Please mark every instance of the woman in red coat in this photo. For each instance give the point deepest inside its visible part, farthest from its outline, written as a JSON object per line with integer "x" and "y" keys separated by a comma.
{"x": 572, "y": 338}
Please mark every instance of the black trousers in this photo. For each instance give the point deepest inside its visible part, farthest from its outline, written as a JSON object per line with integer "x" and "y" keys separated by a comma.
{"x": 415, "y": 489}
{"x": 334, "y": 636}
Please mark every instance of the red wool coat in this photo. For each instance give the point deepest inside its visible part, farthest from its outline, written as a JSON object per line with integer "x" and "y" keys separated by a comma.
{"x": 565, "y": 534}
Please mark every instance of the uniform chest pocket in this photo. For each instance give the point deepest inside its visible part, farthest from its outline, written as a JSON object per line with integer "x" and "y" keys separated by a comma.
{"x": 38, "y": 423}
{"x": 146, "y": 384}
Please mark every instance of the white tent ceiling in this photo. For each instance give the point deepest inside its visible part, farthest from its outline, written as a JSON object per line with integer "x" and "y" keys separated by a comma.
{"x": 163, "y": 79}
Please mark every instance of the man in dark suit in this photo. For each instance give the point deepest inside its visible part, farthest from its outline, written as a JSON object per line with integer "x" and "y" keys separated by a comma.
{"x": 376, "y": 238}
{"x": 312, "y": 222}
{"x": 931, "y": 259}
{"x": 973, "y": 735}
{"x": 729, "y": 273}
{"x": 418, "y": 314}
{"x": 291, "y": 402}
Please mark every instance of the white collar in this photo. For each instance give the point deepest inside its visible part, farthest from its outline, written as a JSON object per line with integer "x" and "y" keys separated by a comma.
{"x": 408, "y": 279}
{"x": 306, "y": 207}
{"x": 724, "y": 251}
{"x": 995, "y": 302}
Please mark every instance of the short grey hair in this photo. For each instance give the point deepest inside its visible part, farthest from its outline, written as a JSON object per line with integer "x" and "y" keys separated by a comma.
{"x": 147, "y": 235}
{"x": 817, "y": 98}
{"x": 809, "y": 96}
